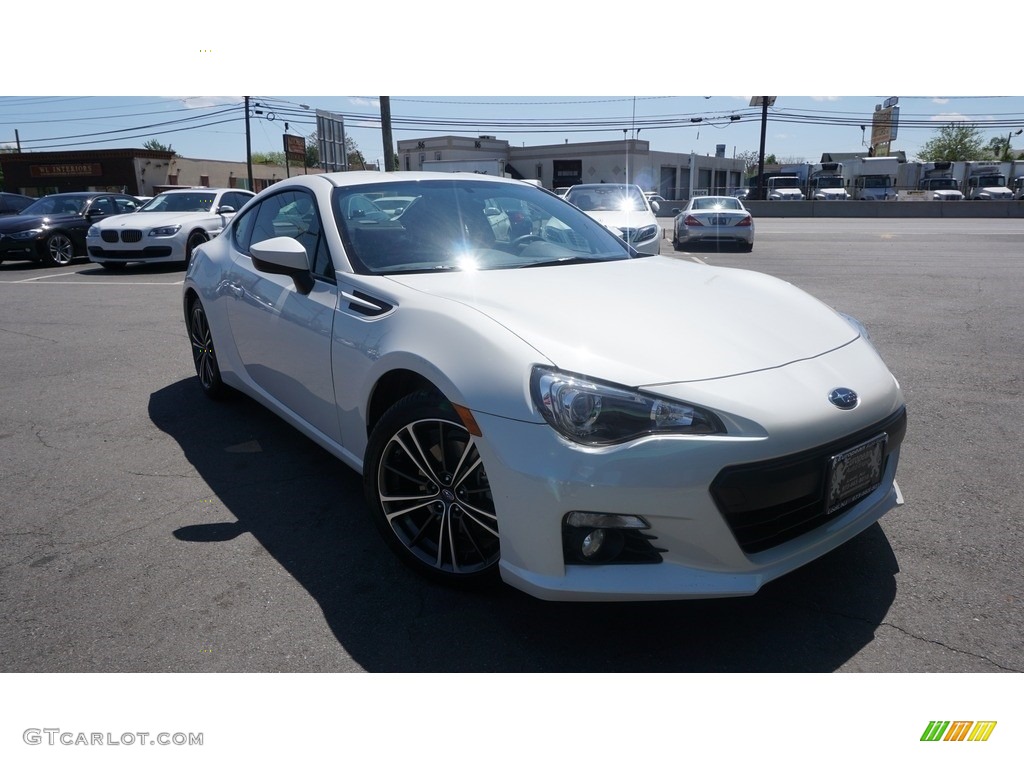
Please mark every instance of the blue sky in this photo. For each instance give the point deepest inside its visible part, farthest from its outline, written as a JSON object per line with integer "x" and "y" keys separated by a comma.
{"x": 799, "y": 127}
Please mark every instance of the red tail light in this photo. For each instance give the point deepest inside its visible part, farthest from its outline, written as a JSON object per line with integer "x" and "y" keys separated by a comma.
{"x": 693, "y": 221}
{"x": 746, "y": 221}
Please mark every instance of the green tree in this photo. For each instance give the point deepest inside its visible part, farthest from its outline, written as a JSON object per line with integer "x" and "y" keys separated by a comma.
{"x": 1001, "y": 149}
{"x": 312, "y": 151}
{"x": 955, "y": 141}
{"x": 268, "y": 158}
{"x": 356, "y": 161}
{"x": 749, "y": 158}
{"x": 157, "y": 146}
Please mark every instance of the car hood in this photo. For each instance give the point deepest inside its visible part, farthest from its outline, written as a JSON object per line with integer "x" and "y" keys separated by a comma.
{"x": 145, "y": 220}
{"x": 649, "y": 321}
{"x": 20, "y": 223}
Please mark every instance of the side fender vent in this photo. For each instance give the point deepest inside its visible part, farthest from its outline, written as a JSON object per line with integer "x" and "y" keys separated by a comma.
{"x": 364, "y": 304}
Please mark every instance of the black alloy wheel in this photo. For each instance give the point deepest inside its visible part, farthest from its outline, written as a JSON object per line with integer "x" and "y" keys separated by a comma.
{"x": 203, "y": 353}
{"x": 428, "y": 492}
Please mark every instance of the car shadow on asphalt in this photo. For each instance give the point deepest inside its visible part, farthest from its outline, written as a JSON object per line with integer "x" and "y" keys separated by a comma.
{"x": 307, "y": 510}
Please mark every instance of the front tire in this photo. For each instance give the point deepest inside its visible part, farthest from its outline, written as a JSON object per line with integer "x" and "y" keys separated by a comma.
{"x": 194, "y": 241}
{"x": 58, "y": 250}
{"x": 428, "y": 492}
{"x": 204, "y": 356}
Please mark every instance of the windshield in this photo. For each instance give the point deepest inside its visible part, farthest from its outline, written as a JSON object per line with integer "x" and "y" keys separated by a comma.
{"x": 467, "y": 226}
{"x": 785, "y": 183}
{"x": 875, "y": 182}
{"x": 992, "y": 181}
{"x": 828, "y": 182}
{"x": 53, "y": 205}
{"x": 180, "y": 202}
{"x": 607, "y": 197}
{"x": 942, "y": 183}
{"x": 716, "y": 203}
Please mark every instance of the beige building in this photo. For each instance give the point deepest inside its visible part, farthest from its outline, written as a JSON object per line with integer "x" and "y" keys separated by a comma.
{"x": 674, "y": 176}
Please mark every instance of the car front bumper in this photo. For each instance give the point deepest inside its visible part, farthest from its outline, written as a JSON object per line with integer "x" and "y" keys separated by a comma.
{"x": 687, "y": 491}
{"x": 146, "y": 250}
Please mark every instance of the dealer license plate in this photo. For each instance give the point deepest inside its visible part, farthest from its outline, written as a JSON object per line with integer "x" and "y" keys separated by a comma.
{"x": 855, "y": 473}
{"x": 719, "y": 221}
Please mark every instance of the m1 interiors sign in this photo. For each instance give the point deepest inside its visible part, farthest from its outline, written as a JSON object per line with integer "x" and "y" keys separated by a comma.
{"x": 64, "y": 170}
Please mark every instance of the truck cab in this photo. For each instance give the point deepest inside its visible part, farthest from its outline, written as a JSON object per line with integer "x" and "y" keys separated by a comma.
{"x": 1018, "y": 188}
{"x": 784, "y": 188}
{"x": 987, "y": 182}
{"x": 826, "y": 182}
{"x": 874, "y": 186}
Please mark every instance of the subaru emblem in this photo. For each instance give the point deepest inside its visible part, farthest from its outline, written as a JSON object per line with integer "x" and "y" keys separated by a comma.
{"x": 843, "y": 398}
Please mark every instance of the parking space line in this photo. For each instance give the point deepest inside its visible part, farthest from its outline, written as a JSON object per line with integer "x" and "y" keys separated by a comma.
{"x": 80, "y": 282}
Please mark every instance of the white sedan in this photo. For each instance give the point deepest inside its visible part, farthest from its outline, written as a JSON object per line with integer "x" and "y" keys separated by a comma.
{"x": 166, "y": 229}
{"x": 622, "y": 208}
{"x": 713, "y": 220}
{"x": 586, "y": 422}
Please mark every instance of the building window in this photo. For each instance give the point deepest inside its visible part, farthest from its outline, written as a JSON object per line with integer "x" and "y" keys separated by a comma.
{"x": 172, "y": 179}
{"x": 437, "y": 155}
{"x": 204, "y": 181}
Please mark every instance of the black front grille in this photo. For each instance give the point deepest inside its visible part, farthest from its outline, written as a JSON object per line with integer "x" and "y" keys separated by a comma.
{"x": 770, "y": 502}
{"x": 131, "y": 235}
{"x": 109, "y": 236}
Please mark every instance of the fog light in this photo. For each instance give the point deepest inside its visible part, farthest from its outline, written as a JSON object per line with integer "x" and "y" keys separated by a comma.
{"x": 602, "y": 538}
{"x": 592, "y": 543}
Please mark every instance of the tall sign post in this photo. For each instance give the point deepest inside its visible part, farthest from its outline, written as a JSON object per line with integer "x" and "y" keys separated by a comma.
{"x": 330, "y": 134}
{"x": 884, "y": 124}
{"x": 294, "y": 151}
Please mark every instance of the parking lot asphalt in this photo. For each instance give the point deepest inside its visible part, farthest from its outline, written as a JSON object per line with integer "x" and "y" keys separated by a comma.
{"x": 148, "y": 529}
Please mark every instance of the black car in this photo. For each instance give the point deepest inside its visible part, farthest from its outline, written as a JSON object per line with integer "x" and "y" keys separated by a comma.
{"x": 52, "y": 229}
{"x": 11, "y": 203}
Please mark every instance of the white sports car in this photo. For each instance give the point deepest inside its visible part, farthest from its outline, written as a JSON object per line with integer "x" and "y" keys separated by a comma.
{"x": 166, "y": 229}
{"x": 552, "y": 407}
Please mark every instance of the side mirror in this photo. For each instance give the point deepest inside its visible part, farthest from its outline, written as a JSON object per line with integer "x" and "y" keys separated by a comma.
{"x": 226, "y": 209}
{"x": 655, "y": 206}
{"x": 283, "y": 256}
{"x": 676, "y": 211}
{"x": 93, "y": 212}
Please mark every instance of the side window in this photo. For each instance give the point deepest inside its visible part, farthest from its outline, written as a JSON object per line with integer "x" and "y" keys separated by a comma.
{"x": 126, "y": 205}
{"x": 242, "y": 229}
{"x": 102, "y": 205}
{"x": 235, "y": 200}
{"x": 294, "y": 214}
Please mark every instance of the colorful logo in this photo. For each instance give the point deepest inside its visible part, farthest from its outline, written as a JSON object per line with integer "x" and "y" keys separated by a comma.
{"x": 958, "y": 730}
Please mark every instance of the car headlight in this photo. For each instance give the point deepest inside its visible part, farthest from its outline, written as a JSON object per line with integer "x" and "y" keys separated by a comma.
{"x": 27, "y": 234}
{"x": 646, "y": 233}
{"x": 165, "y": 231}
{"x": 596, "y": 413}
{"x": 94, "y": 231}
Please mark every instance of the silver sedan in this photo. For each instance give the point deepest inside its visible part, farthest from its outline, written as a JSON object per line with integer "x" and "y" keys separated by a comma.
{"x": 713, "y": 220}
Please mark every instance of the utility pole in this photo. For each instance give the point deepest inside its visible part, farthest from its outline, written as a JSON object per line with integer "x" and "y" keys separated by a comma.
{"x": 763, "y": 102}
{"x": 248, "y": 145}
{"x": 385, "y": 124}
